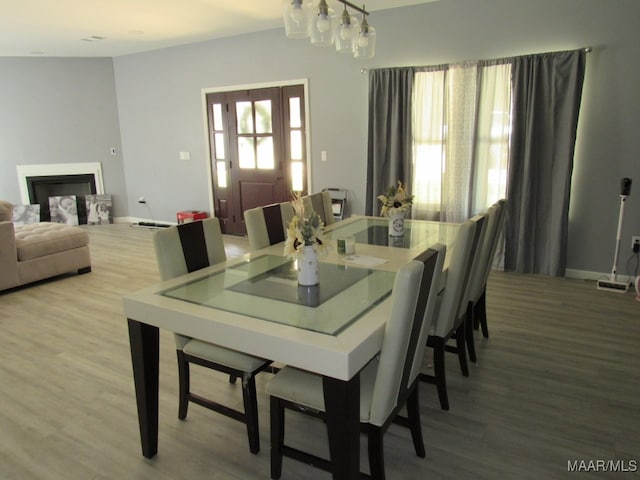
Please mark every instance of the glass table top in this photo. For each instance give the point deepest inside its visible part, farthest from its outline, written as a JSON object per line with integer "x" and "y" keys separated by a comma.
{"x": 266, "y": 287}
{"x": 375, "y": 231}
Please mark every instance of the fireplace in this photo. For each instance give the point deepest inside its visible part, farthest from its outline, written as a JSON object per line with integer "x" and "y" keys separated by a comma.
{"x": 39, "y": 182}
{"x": 41, "y": 188}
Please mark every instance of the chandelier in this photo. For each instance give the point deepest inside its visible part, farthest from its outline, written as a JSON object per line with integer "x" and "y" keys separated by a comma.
{"x": 318, "y": 21}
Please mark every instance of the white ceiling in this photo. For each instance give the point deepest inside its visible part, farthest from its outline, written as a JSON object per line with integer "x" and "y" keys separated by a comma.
{"x": 68, "y": 28}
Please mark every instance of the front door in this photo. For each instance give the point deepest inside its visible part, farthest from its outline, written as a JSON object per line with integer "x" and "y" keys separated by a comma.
{"x": 251, "y": 150}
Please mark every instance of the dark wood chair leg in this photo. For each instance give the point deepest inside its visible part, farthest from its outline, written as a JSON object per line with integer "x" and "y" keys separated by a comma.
{"x": 413, "y": 414}
{"x": 232, "y": 379}
{"x": 183, "y": 382}
{"x": 439, "y": 372}
{"x": 483, "y": 314}
{"x": 468, "y": 325}
{"x": 376, "y": 453}
{"x": 277, "y": 437}
{"x": 477, "y": 313}
{"x": 461, "y": 349}
{"x": 251, "y": 412}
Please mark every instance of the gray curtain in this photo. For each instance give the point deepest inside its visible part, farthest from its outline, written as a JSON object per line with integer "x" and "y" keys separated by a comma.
{"x": 389, "y": 156}
{"x": 547, "y": 89}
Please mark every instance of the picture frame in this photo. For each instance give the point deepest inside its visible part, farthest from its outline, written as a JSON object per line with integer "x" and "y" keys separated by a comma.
{"x": 64, "y": 209}
{"x": 26, "y": 214}
{"x": 99, "y": 209}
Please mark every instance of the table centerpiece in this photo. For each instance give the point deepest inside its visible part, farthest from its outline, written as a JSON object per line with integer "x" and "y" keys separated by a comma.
{"x": 395, "y": 205}
{"x": 305, "y": 242}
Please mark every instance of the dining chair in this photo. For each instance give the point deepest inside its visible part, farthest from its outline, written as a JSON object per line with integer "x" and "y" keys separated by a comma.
{"x": 450, "y": 313}
{"x": 388, "y": 383}
{"x": 479, "y": 275}
{"x": 480, "y": 304}
{"x": 267, "y": 225}
{"x": 183, "y": 249}
{"x": 321, "y": 204}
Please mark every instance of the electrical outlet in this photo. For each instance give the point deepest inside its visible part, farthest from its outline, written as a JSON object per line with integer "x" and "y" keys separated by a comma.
{"x": 635, "y": 240}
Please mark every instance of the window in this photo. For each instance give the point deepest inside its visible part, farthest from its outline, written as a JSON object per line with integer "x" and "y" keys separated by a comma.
{"x": 461, "y": 126}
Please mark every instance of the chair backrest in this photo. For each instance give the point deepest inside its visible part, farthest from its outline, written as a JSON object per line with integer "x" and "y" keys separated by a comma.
{"x": 498, "y": 236}
{"x": 267, "y": 225}
{"x": 414, "y": 292}
{"x": 481, "y": 261}
{"x": 474, "y": 256}
{"x": 457, "y": 276}
{"x": 321, "y": 204}
{"x": 430, "y": 290}
{"x": 188, "y": 247}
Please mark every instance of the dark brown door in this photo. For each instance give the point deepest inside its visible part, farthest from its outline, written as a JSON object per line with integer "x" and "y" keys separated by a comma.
{"x": 254, "y": 150}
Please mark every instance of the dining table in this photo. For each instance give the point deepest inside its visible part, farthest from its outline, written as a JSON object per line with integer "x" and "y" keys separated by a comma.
{"x": 253, "y": 304}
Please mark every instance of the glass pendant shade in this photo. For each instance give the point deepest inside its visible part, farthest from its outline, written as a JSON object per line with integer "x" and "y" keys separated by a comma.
{"x": 297, "y": 16}
{"x": 323, "y": 25}
{"x": 365, "y": 43}
{"x": 346, "y": 32}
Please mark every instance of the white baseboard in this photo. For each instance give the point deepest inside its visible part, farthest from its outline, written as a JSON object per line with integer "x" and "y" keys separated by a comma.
{"x": 138, "y": 220}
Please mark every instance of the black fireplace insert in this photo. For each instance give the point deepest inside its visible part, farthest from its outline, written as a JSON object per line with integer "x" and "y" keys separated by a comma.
{"x": 41, "y": 188}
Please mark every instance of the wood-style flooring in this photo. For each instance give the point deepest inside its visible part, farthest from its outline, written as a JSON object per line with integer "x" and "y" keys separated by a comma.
{"x": 557, "y": 382}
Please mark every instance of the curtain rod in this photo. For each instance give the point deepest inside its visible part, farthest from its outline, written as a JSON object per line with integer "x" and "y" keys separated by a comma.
{"x": 585, "y": 49}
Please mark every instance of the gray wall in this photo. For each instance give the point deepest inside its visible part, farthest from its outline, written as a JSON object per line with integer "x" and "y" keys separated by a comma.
{"x": 159, "y": 98}
{"x": 59, "y": 110}
{"x": 160, "y": 102}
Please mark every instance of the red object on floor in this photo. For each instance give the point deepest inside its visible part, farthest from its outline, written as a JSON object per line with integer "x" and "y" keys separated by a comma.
{"x": 191, "y": 216}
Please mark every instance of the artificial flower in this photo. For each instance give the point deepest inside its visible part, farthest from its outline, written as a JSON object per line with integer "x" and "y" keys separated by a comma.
{"x": 395, "y": 200}
{"x": 305, "y": 228}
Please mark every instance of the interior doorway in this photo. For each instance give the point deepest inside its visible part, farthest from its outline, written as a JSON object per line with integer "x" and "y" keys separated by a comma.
{"x": 258, "y": 150}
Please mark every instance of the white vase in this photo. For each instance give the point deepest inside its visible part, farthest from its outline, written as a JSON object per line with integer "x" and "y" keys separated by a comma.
{"x": 396, "y": 224}
{"x": 308, "y": 266}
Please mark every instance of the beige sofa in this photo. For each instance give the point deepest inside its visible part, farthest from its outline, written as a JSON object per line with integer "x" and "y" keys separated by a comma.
{"x": 29, "y": 253}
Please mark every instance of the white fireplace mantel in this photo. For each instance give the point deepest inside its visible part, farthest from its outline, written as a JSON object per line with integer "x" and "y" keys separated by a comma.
{"x": 25, "y": 171}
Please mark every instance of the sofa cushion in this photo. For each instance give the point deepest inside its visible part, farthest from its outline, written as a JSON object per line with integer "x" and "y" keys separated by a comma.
{"x": 44, "y": 238}
{"x": 6, "y": 211}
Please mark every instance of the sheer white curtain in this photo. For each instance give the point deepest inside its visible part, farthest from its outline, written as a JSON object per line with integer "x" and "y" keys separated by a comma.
{"x": 460, "y": 114}
{"x": 460, "y": 140}
{"x": 494, "y": 129}
{"x": 428, "y": 144}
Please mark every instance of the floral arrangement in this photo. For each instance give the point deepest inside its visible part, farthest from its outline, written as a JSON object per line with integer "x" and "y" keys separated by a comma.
{"x": 395, "y": 200}
{"x": 305, "y": 228}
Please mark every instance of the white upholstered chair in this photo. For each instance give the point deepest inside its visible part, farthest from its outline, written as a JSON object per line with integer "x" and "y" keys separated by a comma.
{"x": 186, "y": 248}
{"x": 480, "y": 304}
{"x": 321, "y": 204}
{"x": 387, "y": 384}
{"x": 450, "y": 312}
{"x": 481, "y": 268}
{"x": 267, "y": 225}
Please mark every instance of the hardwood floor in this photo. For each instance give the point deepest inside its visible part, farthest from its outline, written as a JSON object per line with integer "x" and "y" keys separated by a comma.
{"x": 556, "y": 382}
